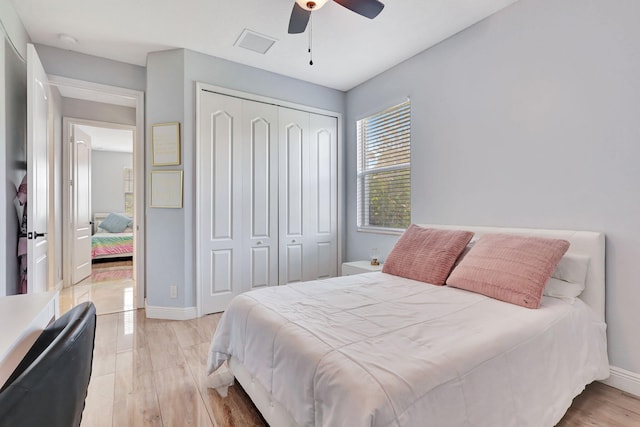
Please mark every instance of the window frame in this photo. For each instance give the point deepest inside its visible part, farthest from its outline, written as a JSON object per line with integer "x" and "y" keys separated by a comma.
{"x": 362, "y": 202}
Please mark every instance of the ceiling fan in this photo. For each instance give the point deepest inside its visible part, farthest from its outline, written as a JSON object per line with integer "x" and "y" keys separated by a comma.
{"x": 302, "y": 11}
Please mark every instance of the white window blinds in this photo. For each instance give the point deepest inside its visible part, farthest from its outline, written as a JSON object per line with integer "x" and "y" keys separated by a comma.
{"x": 384, "y": 169}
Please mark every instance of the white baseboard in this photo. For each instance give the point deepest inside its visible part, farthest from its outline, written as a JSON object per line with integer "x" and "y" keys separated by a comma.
{"x": 171, "y": 313}
{"x": 624, "y": 380}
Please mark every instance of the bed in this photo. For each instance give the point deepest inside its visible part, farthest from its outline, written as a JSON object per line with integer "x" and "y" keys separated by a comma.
{"x": 380, "y": 350}
{"x": 108, "y": 245}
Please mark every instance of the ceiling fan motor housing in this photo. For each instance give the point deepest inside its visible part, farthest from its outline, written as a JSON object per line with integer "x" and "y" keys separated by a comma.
{"x": 311, "y": 4}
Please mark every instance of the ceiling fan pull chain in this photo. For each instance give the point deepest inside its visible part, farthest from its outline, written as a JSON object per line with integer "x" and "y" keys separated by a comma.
{"x": 310, "y": 39}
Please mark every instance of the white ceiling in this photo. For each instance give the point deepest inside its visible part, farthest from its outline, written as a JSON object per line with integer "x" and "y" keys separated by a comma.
{"x": 109, "y": 139}
{"x": 347, "y": 48}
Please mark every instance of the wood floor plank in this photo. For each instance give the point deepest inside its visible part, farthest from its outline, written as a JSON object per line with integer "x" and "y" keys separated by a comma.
{"x": 98, "y": 410}
{"x": 130, "y": 332}
{"x": 190, "y": 332}
{"x": 137, "y": 409}
{"x": 229, "y": 411}
{"x": 104, "y": 352}
{"x": 179, "y": 398}
{"x": 133, "y": 372}
{"x": 164, "y": 347}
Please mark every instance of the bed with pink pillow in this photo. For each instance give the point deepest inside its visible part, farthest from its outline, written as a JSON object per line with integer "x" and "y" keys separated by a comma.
{"x": 485, "y": 346}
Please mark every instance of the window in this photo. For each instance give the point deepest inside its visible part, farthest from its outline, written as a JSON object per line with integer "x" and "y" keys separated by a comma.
{"x": 384, "y": 169}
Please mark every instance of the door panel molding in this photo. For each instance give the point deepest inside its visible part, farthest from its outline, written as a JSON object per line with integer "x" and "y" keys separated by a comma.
{"x": 276, "y": 232}
{"x": 133, "y": 98}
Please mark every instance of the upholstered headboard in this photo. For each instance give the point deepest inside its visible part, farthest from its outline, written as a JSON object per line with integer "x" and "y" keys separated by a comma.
{"x": 589, "y": 243}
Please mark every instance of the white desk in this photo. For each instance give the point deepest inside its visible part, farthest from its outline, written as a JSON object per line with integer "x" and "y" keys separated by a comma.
{"x": 23, "y": 317}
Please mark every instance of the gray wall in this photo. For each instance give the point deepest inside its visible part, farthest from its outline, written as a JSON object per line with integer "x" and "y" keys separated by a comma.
{"x": 66, "y": 63}
{"x": 529, "y": 118}
{"x": 15, "y": 99}
{"x": 171, "y": 96}
{"x": 89, "y": 110}
{"x": 107, "y": 180}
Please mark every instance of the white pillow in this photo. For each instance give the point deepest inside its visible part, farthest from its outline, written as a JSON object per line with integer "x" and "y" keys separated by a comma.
{"x": 569, "y": 278}
{"x": 572, "y": 268}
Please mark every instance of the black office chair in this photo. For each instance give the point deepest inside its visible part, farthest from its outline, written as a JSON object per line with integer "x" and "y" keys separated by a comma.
{"x": 49, "y": 386}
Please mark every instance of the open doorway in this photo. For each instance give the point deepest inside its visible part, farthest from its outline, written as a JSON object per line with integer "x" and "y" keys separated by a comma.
{"x": 101, "y": 203}
{"x": 99, "y": 115}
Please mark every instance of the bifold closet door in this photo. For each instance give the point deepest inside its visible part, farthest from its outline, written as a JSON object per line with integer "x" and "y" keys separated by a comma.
{"x": 308, "y": 196}
{"x": 238, "y": 198}
{"x": 260, "y": 194}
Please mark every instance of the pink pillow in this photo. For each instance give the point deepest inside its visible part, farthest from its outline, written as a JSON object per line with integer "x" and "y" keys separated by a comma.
{"x": 426, "y": 254}
{"x": 509, "y": 268}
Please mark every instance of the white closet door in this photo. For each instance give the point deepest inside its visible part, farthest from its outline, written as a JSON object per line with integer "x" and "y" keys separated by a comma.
{"x": 308, "y": 196}
{"x": 260, "y": 193}
{"x": 322, "y": 232}
{"x": 220, "y": 204}
{"x": 295, "y": 256}
{"x": 267, "y": 191}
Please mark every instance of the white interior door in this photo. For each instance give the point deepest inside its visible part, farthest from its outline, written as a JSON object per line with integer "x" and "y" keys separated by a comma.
{"x": 81, "y": 204}
{"x": 259, "y": 150}
{"x": 294, "y": 200}
{"x": 308, "y": 196}
{"x": 220, "y": 201}
{"x": 37, "y": 174}
{"x": 267, "y": 179}
{"x": 322, "y": 232}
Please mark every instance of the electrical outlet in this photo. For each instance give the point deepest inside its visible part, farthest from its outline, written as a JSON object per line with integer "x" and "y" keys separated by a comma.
{"x": 173, "y": 291}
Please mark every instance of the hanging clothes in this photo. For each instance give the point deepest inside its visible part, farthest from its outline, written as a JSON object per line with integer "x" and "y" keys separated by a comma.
{"x": 22, "y": 239}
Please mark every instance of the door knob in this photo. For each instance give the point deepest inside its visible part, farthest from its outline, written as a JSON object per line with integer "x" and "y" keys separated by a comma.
{"x": 34, "y": 235}
{"x": 259, "y": 242}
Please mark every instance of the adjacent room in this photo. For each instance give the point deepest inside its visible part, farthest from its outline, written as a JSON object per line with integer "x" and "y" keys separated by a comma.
{"x": 331, "y": 212}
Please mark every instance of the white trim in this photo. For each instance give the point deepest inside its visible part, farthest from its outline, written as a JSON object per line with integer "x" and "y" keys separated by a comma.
{"x": 67, "y": 123}
{"x": 171, "y": 313}
{"x": 275, "y": 101}
{"x": 624, "y": 380}
{"x": 266, "y": 100}
{"x": 139, "y": 168}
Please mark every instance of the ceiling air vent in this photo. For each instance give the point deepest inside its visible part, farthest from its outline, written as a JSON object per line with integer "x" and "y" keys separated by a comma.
{"x": 255, "y": 41}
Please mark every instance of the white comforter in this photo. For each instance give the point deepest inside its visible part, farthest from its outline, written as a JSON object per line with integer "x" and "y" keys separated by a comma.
{"x": 379, "y": 350}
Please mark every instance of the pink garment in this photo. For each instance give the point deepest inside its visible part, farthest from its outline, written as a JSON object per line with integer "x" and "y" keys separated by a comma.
{"x": 22, "y": 240}
{"x": 22, "y": 191}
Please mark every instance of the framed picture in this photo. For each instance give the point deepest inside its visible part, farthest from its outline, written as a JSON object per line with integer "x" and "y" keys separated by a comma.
{"x": 165, "y": 189}
{"x": 165, "y": 144}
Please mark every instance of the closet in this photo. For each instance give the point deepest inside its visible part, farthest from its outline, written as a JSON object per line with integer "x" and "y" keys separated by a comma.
{"x": 267, "y": 197}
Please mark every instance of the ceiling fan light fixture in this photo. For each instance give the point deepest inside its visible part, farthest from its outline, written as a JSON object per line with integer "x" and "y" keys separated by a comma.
{"x": 311, "y": 4}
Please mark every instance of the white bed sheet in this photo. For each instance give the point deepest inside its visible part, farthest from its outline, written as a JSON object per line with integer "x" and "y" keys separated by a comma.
{"x": 379, "y": 350}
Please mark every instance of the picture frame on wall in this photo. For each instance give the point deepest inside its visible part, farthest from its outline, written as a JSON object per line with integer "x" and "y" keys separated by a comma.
{"x": 165, "y": 189}
{"x": 165, "y": 144}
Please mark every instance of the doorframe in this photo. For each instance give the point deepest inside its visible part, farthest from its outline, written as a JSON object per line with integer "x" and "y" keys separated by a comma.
{"x": 201, "y": 86}
{"x": 138, "y": 166}
{"x": 68, "y": 242}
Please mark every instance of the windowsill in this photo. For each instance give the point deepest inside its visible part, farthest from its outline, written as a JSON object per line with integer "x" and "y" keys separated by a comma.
{"x": 380, "y": 230}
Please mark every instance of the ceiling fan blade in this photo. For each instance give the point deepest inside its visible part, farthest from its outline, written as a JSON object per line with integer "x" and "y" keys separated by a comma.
{"x": 368, "y": 8}
{"x": 299, "y": 19}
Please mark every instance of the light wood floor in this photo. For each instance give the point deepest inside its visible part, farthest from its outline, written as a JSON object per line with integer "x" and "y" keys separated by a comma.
{"x": 110, "y": 287}
{"x": 150, "y": 372}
